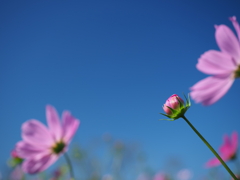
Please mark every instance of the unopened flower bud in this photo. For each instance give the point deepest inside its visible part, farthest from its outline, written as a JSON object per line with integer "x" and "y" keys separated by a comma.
{"x": 14, "y": 154}
{"x": 175, "y": 107}
{"x": 15, "y": 159}
{"x": 173, "y": 102}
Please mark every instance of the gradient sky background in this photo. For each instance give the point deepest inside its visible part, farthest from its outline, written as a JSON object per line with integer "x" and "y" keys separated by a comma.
{"x": 113, "y": 64}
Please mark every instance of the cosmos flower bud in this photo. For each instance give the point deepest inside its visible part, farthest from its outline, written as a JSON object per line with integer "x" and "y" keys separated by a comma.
{"x": 15, "y": 159}
{"x": 14, "y": 154}
{"x": 174, "y": 102}
{"x": 175, "y": 107}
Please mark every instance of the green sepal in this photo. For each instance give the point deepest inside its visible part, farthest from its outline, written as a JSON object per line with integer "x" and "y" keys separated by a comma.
{"x": 173, "y": 110}
{"x": 188, "y": 102}
{"x": 165, "y": 115}
{"x": 15, "y": 161}
{"x": 180, "y": 102}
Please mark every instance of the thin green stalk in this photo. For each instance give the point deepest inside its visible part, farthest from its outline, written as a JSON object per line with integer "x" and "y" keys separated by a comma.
{"x": 211, "y": 148}
{"x": 69, "y": 165}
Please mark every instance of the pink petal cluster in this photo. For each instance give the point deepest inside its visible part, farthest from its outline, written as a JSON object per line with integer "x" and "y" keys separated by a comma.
{"x": 172, "y": 102}
{"x": 227, "y": 151}
{"x": 42, "y": 146}
{"x": 224, "y": 66}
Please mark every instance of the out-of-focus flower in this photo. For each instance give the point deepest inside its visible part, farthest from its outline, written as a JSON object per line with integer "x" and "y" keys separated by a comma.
{"x": 59, "y": 173}
{"x": 227, "y": 151}
{"x": 15, "y": 159}
{"x": 184, "y": 174}
{"x": 175, "y": 108}
{"x": 17, "y": 173}
{"x": 143, "y": 176}
{"x": 107, "y": 177}
{"x": 224, "y": 65}
{"x": 42, "y": 146}
{"x": 56, "y": 174}
{"x": 160, "y": 176}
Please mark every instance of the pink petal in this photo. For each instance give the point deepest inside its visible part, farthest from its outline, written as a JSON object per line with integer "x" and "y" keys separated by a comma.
{"x": 54, "y": 122}
{"x": 225, "y": 149}
{"x": 26, "y": 150}
{"x": 215, "y": 62}
{"x": 228, "y": 42}
{"x": 34, "y": 132}
{"x": 235, "y": 25}
{"x": 213, "y": 162}
{"x": 38, "y": 163}
{"x": 70, "y": 126}
{"x": 211, "y": 89}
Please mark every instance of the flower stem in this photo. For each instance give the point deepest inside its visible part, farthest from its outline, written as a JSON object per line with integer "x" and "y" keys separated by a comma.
{"x": 211, "y": 148}
{"x": 69, "y": 165}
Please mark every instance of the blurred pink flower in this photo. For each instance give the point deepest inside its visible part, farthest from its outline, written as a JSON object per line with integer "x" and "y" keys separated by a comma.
{"x": 160, "y": 176}
{"x": 184, "y": 174}
{"x": 143, "y": 176}
{"x": 42, "y": 146}
{"x": 17, "y": 173}
{"x": 224, "y": 65}
{"x": 14, "y": 154}
{"x": 227, "y": 151}
{"x": 107, "y": 177}
{"x": 15, "y": 159}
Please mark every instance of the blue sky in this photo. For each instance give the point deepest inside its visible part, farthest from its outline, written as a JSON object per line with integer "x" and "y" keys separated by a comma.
{"x": 113, "y": 64}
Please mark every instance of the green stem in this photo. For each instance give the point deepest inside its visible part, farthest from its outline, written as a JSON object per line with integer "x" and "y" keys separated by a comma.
{"x": 211, "y": 148}
{"x": 69, "y": 165}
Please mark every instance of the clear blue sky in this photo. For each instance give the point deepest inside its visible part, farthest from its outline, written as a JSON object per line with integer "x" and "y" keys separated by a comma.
{"x": 113, "y": 64}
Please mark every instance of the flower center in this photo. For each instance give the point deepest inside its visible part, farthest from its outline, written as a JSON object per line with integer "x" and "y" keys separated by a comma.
{"x": 58, "y": 147}
{"x": 237, "y": 72}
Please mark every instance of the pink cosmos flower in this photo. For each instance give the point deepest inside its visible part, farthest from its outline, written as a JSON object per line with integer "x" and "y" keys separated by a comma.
{"x": 224, "y": 65}
{"x": 42, "y": 146}
{"x": 227, "y": 151}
